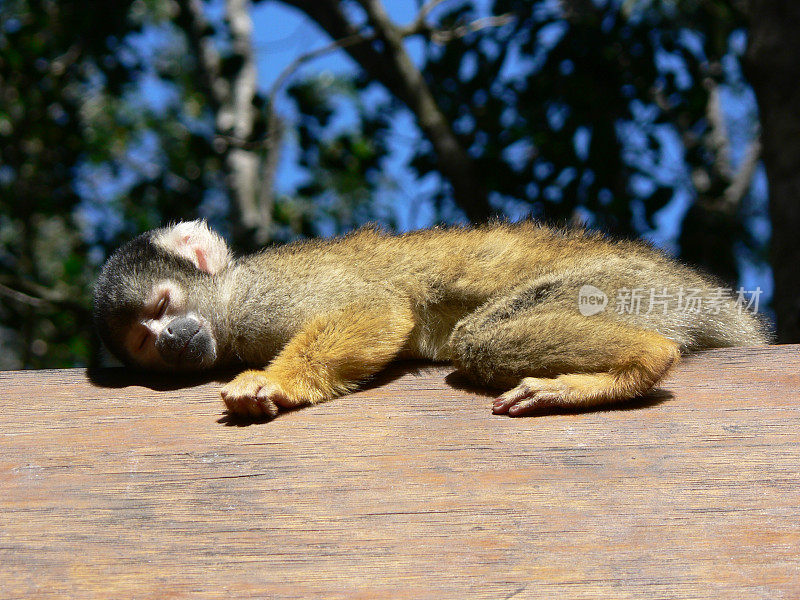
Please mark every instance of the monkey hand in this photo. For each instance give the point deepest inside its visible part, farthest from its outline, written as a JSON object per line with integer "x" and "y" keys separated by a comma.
{"x": 532, "y": 394}
{"x": 256, "y": 395}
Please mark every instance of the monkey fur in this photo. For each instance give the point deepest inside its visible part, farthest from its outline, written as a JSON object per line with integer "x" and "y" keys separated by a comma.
{"x": 312, "y": 319}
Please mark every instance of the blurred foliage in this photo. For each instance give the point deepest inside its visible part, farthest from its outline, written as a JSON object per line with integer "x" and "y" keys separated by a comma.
{"x": 106, "y": 129}
{"x": 343, "y": 168}
{"x": 581, "y": 129}
{"x": 53, "y": 55}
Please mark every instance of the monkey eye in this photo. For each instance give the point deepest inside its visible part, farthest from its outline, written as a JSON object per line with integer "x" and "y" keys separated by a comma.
{"x": 140, "y": 347}
{"x": 161, "y": 307}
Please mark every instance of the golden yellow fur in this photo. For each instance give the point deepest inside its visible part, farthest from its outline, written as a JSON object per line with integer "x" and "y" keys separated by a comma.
{"x": 500, "y": 301}
{"x": 327, "y": 358}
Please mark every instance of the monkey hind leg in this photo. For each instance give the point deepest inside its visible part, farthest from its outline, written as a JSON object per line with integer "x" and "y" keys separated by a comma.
{"x": 624, "y": 382}
{"x": 561, "y": 359}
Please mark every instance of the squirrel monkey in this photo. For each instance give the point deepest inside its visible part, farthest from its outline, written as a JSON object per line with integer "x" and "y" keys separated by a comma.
{"x": 519, "y": 306}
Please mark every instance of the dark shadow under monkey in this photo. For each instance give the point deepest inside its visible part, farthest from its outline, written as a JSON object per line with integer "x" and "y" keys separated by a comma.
{"x": 123, "y": 377}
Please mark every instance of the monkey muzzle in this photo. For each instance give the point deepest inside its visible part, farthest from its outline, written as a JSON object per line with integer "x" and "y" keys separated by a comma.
{"x": 185, "y": 341}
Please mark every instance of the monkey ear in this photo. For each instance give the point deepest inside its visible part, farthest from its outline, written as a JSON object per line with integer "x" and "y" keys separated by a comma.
{"x": 196, "y": 241}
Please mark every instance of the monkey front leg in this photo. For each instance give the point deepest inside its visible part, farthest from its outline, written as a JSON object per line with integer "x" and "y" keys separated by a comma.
{"x": 326, "y": 359}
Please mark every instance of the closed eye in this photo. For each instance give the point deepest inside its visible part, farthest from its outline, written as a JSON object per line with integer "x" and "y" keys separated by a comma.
{"x": 143, "y": 342}
{"x": 162, "y": 305}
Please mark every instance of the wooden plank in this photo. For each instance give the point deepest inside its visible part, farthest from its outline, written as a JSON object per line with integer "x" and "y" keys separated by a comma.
{"x": 409, "y": 489}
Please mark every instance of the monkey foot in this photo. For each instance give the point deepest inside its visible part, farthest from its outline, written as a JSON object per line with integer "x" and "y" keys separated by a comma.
{"x": 529, "y": 395}
{"x": 253, "y": 394}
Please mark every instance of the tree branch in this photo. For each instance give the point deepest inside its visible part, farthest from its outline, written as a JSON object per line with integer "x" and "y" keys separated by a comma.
{"x": 419, "y": 27}
{"x": 299, "y": 61}
{"x": 740, "y": 183}
{"x": 390, "y": 65}
{"x": 426, "y": 9}
{"x": 420, "y": 23}
{"x": 38, "y": 296}
{"x": 718, "y": 141}
{"x": 443, "y": 36}
{"x": 468, "y": 189}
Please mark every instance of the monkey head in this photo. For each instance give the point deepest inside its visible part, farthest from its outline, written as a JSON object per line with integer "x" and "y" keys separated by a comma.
{"x": 156, "y": 301}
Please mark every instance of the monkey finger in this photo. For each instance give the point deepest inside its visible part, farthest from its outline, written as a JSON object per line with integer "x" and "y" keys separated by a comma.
{"x": 273, "y": 394}
{"x": 537, "y": 401}
{"x": 523, "y": 407}
{"x": 266, "y": 406}
{"x": 532, "y": 393}
{"x": 237, "y": 404}
{"x": 510, "y": 398}
{"x": 247, "y": 406}
{"x": 232, "y": 404}
{"x": 253, "y": 406}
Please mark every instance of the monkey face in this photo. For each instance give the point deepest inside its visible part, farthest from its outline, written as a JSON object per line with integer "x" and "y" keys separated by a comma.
{"x": 167, "y": 334}
{"x": 155, "y": 294}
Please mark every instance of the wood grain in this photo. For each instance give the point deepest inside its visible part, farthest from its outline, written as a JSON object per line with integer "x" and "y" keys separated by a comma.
{"x": 120, "y": 488}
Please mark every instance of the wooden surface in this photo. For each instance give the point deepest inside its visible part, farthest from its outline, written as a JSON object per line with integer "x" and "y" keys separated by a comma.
{"x": 410, "y": 489}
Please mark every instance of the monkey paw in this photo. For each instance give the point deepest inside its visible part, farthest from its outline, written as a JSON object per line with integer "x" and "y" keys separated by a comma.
{"x": 531, "y": 394}
{"x": 253, "y": 394}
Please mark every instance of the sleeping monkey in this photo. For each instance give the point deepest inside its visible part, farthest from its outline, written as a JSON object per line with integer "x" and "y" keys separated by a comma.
{"x": 556, "y": 317}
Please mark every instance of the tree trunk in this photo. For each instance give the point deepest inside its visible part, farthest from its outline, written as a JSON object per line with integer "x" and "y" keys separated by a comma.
{"x": 774, "y": 71}
{"x": 231, "y": 97}
{"x": 238, "y": 116}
